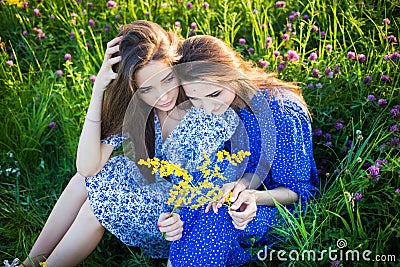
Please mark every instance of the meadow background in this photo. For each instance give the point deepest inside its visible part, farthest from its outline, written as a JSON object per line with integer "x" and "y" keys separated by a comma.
{"x": 344, "y": 54}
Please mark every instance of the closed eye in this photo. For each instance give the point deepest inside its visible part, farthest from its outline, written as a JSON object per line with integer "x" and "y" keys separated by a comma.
{"x": 215, "y": 94}
{"x": 144, "y": 90}
{"x": 170, "y": 79}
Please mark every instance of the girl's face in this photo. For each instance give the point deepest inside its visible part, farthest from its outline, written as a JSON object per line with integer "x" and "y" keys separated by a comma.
{"x": 212, "y": 98}
{"x": 157, "y": 85}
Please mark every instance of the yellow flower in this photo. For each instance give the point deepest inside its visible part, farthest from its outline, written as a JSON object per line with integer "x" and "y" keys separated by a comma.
{"x": 188, "y": 193}
{"x": 228, "y": 199}
{"x": 43, "y": 264}
{"x": 15, "y": 2}
{"x": 220, "y": 156}
{"x": 142, "y": 162}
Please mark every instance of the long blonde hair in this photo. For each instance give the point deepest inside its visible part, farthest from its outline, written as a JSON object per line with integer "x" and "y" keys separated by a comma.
{"x": 205, "y": 48}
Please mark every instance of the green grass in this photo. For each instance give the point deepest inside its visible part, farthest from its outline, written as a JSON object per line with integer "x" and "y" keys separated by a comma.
{"x": 36, "y": 161}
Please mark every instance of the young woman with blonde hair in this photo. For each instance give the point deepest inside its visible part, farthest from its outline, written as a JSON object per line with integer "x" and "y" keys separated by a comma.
{"x": 215, "y": 78}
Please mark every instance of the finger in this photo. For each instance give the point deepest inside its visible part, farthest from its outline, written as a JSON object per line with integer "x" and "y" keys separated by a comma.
{"x": 178, "y": 227}
{"x": 163, "y": 216}
{"x": 167, "y": 219}
{"x": 114, "y": 41}
{"x": 244, "y": 197}
{"x": 242, "y": 224}
{"x": 240, "y": 217}
{"x": 112, "y": 50}
{"x": 114, "y": 60}
{"x": 174, "y": 227}
{"x": 226, "y": 188}
{"x": 221, "y": 201}
{"x": 172, "y": 219}
{"x": 109, "y": 53}
{"x": 248, "y": 211}
{"x": 173, "y": 232}
{"x": 173, "y": 237}
{"x": 214, "y": 206}
{"x": 240, "y": 227}
{"x": 245, "y": 222}
{"x": 207, "y": 209}
{"x": 238, "y": 202}
{"x": 239, "y": 187}
{"x": 245, "y": 210}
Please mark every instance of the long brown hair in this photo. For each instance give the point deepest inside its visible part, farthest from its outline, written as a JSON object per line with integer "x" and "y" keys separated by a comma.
{"x": 205, "y": 48}
{"x": 142, "y": 41}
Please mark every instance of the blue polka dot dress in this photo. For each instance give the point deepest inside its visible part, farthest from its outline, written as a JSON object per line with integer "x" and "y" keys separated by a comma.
{"x": 210, "y": 239}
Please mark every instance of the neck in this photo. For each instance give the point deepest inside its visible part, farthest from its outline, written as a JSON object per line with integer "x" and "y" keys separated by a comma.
{"x": 162, "y": 113}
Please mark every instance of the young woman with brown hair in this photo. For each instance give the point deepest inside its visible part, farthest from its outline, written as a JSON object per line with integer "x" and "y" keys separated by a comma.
{"x": 111, "y": 199}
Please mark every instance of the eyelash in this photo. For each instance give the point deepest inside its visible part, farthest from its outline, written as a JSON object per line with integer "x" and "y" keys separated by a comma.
{"x": 147, "y": 90}
{"x": 169, "y": 79}
{"x": 143, "y": 91}
{"x": 215, "y": 94}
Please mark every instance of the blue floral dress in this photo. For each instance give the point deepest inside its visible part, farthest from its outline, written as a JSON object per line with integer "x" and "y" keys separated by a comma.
{"x": 124, "y": 206}
{"x": 210, "y": 239}
{"x": 129, "y": 209}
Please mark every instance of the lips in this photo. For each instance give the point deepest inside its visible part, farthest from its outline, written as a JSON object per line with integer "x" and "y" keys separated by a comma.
{"x": 166, "y": 104}
{"x": 218, "y": 110}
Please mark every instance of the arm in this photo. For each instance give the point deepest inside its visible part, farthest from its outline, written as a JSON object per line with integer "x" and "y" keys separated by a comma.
{"x": 245, "y": 204}
{"x": 92, "y": 154}
{"x": 291, "y": 168}
{"x": 281, "y": 195}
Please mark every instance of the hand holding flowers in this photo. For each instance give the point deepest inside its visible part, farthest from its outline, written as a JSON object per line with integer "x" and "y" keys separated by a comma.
{"x": 243, "y": 209}
{"x": 171, "y": 225}
{"x": 243, "y": 205}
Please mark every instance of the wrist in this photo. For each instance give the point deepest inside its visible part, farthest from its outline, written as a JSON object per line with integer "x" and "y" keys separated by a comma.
{"x": 97, "y": 92}
{"x": 92, "y": 120}
{"x": 253, "y": 193}
{"x": 243, "y": 182}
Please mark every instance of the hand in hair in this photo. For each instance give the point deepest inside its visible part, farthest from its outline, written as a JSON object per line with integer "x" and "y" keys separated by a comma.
{"x": 106, "y": 74}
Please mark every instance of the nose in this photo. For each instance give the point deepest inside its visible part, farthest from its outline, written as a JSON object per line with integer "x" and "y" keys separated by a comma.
{"x": 163, "y": 97}
{"x": 163, "y": 94}
{"x": 207, "y": 106}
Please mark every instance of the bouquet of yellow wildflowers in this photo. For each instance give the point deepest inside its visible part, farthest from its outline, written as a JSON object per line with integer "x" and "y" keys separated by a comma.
{"x": 190, "y": 193}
